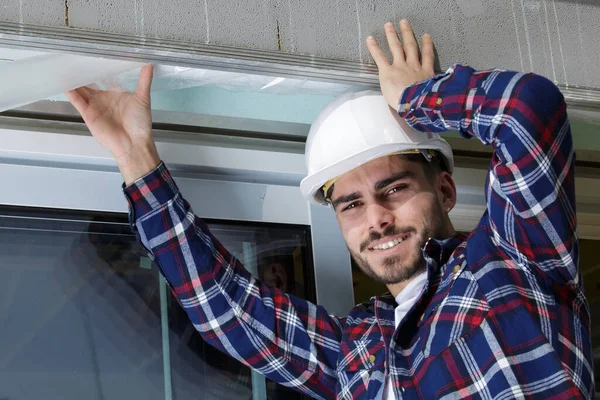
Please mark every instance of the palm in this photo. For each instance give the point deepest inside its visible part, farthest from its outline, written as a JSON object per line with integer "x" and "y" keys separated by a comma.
{"x": 118, "y": 120}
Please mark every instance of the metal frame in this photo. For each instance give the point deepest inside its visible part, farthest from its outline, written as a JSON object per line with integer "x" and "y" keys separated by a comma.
{"x": 186, "y": 54}
{"x": 184, "y": 122}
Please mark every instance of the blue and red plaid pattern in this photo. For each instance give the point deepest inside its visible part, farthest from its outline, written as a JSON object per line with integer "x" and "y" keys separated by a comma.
{"x": 503, "y": 314}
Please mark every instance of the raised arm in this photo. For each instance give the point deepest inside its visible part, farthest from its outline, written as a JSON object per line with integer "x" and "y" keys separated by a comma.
{"x": 289, "y": 340}
{"x": 530, "y": 191}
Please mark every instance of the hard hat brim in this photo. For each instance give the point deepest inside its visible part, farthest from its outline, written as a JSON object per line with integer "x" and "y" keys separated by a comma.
{"x": 311, "y": 185}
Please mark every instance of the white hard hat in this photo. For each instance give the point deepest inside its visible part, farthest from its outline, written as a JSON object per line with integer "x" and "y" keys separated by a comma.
{"x": 355, "y": 129}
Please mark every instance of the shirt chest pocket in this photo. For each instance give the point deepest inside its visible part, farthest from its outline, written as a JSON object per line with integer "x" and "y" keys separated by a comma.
{"x": 362, "y": 354}
{"x": 361, "y": 362}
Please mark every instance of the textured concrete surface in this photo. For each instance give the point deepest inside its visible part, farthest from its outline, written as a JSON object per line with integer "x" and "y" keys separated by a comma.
{"x": 555, "y": 38}
{"x": 46, "y": 12}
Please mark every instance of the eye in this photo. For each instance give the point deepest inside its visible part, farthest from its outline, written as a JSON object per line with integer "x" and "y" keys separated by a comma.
{"x": 351, "y": 206}
{"x": 396, "y": 189}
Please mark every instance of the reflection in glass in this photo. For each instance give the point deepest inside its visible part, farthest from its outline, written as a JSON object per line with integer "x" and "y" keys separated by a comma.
{"x": 77, "y": 320}
{"x": 80, "y": 311}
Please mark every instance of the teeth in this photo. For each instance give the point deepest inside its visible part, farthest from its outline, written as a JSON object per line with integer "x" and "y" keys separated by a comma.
{"x": 387, "y": 245}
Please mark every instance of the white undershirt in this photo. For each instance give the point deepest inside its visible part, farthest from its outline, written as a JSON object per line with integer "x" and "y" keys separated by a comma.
{"x": 405, "y": 300}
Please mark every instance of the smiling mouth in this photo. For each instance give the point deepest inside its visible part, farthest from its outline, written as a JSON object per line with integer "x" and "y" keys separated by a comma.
{"x": 390, "y": 243}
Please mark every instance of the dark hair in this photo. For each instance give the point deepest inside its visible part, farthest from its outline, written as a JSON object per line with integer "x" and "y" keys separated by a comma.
{"x": 431, "y": 168}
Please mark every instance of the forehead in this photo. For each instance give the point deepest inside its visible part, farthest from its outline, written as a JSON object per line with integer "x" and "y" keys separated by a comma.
{"x": 367, "y": 175}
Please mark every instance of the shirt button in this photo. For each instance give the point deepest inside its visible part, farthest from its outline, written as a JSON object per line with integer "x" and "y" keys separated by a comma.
{"x": 422, "y": 317}
{"x": 439, "y": 101}
{"x": 406, "y": 107}
{"x": 402, "y": 390}
{"x": 372, "y": 358}
{"x": 456, "y": 269}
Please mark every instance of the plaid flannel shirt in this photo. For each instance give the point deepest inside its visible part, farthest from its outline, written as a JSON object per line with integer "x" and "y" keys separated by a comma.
{"x": 502, "y": 315}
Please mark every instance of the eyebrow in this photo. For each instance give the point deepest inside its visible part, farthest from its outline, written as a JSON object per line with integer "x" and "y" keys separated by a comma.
{"x": 378, "y": 186}
{"x": 345, "y": 199}
{"x": 396, "y": 177}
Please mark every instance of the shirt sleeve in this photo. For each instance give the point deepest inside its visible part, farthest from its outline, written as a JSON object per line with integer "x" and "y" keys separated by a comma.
{"x": 530, "y": 192}
{"x": 287, "y": 339}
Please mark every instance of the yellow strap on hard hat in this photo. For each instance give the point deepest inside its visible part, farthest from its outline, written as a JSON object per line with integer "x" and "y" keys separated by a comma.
{"x": 327, "y": 186}
{"x": 428, "y": 153}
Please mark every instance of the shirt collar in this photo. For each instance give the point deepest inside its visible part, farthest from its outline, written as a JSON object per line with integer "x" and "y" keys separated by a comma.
{"x": 438, "y": 252}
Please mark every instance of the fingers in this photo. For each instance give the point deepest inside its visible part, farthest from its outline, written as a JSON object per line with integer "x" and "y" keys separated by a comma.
{"x": 394, "y": 43}
{"x": 88, "y": 92}
{"x": 145, "y": 82}
{"x": 79, "y": 99}
{"x": 427, "y": 53}
{"x": 378, "y": 55}
{"x": 411, "y": 48}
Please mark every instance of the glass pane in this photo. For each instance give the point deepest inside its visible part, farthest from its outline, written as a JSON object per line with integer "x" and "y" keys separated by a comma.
{"x": 80, "y": 310}
{"x": 79, "y": 315}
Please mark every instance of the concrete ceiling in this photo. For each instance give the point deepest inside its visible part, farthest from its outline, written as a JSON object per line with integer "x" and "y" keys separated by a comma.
{"x": 555, "y": 38}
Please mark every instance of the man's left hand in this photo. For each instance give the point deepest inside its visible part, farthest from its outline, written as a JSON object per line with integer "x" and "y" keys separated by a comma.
{"x": 406, "y": 67}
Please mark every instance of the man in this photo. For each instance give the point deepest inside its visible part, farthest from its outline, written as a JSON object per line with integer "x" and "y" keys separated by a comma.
{"x": 500, "y": 314}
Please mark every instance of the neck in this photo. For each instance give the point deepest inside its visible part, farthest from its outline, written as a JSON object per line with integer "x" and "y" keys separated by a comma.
{"x": 396, "y": 288}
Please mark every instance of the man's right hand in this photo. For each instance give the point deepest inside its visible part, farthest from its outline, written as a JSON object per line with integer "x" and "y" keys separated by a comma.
{"x": 122, "y": 123}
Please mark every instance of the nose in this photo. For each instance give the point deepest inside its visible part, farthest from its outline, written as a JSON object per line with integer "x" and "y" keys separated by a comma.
{"x": 379, "y": 217}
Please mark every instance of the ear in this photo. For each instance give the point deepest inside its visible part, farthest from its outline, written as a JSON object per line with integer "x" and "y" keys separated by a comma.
{"x": 447, "y": 191}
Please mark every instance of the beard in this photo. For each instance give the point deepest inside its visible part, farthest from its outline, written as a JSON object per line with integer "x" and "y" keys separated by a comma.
{"x": 395, "y": 269}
